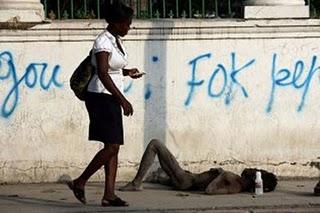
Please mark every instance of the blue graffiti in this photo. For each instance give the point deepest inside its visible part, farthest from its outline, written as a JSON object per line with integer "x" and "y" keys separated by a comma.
{"x": 284, "y": 77}
{"x": 299, "y": 77}
{"x": 128, "y": 87}
{"x": 148, "y": 92}
{"x": 193, "y": 82}
{"x": 34, "y": 73}
{"x": 229, "y": 86}
{"x": 155, "y": 58}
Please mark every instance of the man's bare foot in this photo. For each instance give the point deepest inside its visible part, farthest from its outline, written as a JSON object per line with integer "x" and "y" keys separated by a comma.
{"x": 317, "y": 189}
{"x": 131, "y": 187}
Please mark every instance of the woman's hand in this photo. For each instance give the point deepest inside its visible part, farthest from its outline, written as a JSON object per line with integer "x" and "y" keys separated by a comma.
{"x": 127, "y": 107}
{"x": 134, "y": 73}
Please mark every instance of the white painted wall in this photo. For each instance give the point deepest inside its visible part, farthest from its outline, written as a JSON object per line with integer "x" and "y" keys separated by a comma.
{"x": 245, "y": 124}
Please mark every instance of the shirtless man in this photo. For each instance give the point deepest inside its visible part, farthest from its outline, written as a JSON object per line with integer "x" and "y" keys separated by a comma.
{"x": 213, "y": 181}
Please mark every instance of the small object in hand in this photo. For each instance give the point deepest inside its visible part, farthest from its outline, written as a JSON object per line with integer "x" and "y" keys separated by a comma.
{"x": 139, "y": 74}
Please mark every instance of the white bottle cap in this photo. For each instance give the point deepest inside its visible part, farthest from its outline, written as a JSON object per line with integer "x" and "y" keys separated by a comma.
{"x": 258, "y": 174}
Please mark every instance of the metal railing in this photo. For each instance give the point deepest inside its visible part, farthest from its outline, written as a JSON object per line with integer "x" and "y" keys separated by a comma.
{"x": 314, "y": 8}
{"x": 149, "y": 9}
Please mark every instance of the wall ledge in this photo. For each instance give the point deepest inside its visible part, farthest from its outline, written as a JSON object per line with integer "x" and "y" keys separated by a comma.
{"x": 194, "y": 29}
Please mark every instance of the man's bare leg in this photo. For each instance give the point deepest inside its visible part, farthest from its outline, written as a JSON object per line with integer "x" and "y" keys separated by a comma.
{"x": 169, "y": 164}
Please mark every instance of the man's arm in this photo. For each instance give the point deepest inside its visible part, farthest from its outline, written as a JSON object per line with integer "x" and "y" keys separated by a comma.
{"x": 225, "y": 183}
{"x": 159, "y": 176}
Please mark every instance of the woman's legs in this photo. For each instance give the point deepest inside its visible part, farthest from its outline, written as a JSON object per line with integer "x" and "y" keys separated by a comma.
{"x": 110, "y": 169}
{"x": 169, "y": 164}
{"x": 101, "y": 158}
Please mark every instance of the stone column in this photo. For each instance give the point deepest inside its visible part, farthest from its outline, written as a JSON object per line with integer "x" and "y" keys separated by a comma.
{"x": 21, "y": 11}
{"x": 268, "y": 9}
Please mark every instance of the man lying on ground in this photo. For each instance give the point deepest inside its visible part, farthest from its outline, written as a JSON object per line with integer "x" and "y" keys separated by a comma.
{"x": 213, "y": 181}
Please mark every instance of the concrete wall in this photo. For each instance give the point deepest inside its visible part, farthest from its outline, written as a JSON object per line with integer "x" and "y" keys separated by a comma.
{"x": 229, "y": 94}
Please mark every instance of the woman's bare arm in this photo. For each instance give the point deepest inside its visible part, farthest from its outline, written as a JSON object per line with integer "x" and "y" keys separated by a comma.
{"x": 102, "y": 63}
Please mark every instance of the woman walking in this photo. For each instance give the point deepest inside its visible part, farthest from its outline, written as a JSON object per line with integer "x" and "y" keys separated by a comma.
{"x": 105, "y": 99}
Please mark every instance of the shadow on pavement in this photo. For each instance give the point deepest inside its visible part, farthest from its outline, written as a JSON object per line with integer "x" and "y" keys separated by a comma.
{"x": 38, "y": 201}
{"x": 297, "y": 193}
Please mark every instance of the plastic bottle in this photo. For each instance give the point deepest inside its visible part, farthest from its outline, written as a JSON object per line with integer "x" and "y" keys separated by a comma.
{"x": 258, "y": 184}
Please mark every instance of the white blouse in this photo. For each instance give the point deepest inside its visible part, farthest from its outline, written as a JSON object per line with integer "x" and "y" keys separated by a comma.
{"x": 117, "y": 61}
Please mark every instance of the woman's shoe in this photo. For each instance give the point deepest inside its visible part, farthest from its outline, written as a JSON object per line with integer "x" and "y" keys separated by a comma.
{"x": 115, "y": 202}
{"x": 78, "y": 193}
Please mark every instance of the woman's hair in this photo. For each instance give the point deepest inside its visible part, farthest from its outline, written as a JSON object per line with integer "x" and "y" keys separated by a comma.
{"x": 270, "y": 181}
{"x": 114, "y": 11}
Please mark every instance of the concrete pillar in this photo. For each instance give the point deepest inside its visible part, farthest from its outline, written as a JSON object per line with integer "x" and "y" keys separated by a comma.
{"x": 264, "y": 9}
{"x": 21, "y": 11}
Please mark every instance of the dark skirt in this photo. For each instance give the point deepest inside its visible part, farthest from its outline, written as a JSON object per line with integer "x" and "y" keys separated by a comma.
{"x": 105, "y": 118}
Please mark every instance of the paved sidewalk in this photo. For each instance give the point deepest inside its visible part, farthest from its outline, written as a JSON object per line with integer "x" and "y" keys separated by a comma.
{"x": 290, "y": 196}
